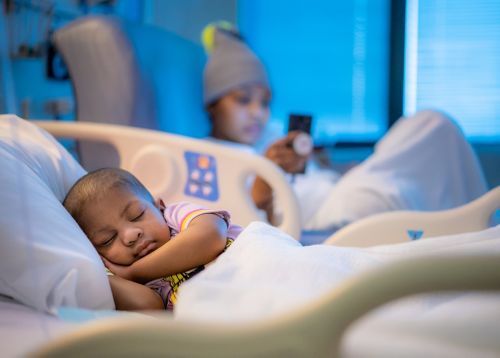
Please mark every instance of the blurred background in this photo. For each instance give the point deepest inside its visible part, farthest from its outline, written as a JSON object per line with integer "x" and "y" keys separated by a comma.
{"x": 356, "y": 66}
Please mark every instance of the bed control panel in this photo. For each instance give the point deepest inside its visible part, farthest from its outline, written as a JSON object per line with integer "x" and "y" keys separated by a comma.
{"x": 201, "y": 176}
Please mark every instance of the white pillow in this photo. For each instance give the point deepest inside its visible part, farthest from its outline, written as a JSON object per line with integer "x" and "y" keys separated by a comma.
{"x": 46, "y": 260}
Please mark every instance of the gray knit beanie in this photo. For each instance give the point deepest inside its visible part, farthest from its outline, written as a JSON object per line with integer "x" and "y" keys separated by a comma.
{"x": 231, "y": 63}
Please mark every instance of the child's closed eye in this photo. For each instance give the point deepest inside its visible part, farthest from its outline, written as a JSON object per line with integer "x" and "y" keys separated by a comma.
{"x": 108, "y": 241}
{"x": 138, "y": 216}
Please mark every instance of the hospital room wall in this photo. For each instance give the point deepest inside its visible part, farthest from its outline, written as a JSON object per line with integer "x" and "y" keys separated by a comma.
{"x": 36, "y": 94}
{"x": 40, "y": 97}
{"x": 27, "y": 26}
{"x": 187, "y": 18}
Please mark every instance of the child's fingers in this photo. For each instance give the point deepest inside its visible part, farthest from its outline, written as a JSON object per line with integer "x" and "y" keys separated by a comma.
{"x": 282, "y": 153}
{"x": 288, "y": 160}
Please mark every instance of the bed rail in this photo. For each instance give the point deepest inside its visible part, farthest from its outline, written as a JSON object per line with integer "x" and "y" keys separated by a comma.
{"x": 403, "y": 226}
{"x": 316, "y": 330}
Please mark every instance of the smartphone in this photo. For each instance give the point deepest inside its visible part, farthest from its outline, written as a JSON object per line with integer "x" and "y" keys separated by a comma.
{"x": 303, "y": 143}
{"x": 299, "y": 122}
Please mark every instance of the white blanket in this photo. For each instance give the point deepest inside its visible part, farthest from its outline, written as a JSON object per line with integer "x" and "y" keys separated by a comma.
{"x": 265, "y": 273}
{"x": 423, "y": 163}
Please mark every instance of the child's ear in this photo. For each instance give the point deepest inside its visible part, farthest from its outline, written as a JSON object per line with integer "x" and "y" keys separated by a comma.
{"x": 160, "y": 204}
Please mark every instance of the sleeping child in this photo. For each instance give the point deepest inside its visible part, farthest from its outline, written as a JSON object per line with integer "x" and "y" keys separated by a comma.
{"x": 149, "y": 248}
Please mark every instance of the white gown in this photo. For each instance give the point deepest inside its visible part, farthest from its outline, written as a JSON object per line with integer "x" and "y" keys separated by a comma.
{"x": 424, "y": 162}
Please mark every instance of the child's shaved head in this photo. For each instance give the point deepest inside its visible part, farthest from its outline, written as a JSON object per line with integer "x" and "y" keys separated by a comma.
{"x": 93, "y": 185}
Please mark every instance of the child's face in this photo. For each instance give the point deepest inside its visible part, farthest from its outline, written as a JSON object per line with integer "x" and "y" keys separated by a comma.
{"x": 124, "y": 227}
{"x": 240, "y": 116}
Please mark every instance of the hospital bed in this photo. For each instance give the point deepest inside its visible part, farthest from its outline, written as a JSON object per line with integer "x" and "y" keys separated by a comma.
{"x": 38, "y": 168}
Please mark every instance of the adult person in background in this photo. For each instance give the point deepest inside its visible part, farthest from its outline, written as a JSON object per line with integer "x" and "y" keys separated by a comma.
{"x": 422, "y": 163}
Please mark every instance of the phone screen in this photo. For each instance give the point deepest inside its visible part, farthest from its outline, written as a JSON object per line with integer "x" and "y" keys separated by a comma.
{"x": 300, "y": 122}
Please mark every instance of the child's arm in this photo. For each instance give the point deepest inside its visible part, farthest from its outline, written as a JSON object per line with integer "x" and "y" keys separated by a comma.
{"x": 132, "y": 296}
{"x": 262, "y": 196}
{"x": 281, "y": 153}
{"x": 201, "y": 242}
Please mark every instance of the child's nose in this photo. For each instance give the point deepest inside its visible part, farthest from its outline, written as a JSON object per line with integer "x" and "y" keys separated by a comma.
{"x": 131, "y": 235}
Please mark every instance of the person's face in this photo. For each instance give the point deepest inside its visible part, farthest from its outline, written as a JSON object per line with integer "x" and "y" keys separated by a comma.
{"x": 240, "y": 115}
{"x": 124, "y": 227}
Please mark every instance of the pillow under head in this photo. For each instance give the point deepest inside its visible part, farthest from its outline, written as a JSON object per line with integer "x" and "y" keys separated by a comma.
{"x": 46, "y": 260}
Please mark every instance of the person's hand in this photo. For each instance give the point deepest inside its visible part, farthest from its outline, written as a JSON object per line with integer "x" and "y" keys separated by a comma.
{"x": 122, "y": 271}
{"x": 282, "y": 153}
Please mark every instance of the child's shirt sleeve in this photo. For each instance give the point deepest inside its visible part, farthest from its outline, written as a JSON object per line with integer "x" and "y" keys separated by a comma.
{"x": 179, "y": 215}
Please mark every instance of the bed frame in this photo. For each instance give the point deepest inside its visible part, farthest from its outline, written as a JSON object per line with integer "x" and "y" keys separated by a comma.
{"x": 314, "y": 330}
{"x": 403, "y": 226}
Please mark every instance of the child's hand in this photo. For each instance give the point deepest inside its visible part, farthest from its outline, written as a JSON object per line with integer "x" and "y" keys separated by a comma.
{"x": 282, "y": 153}
{"x": 119, "y": 270}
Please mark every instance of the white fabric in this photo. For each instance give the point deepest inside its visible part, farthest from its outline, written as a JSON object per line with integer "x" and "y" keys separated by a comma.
{"x": 46, "y": 261}
{"x": 423, "y": 163}
{"x": 265, "y": 272}
{"x": 23, "y": 329}
{"x": 264, "y": 259}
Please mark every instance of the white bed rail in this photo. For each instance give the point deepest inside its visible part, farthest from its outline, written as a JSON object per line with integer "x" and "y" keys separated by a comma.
{"x": 179, "y": 168}
{"x": 403, "y": 226}
{"x": 315, "y": 330}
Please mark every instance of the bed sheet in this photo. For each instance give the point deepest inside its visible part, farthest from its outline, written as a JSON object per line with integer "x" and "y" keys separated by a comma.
{"x": 277, "y": 273}
{"x": 266, "y": 273}
{"x": 23, "y": 329}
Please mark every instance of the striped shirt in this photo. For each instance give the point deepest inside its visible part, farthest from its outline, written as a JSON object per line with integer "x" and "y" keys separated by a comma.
{"x": 178, "y": 217}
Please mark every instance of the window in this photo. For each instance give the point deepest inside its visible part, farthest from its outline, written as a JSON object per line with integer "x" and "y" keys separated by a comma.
{"x": 325, "y": 58}
{"x": 453, "y": 62}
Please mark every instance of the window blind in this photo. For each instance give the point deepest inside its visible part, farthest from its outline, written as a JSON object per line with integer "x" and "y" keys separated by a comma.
{"x": 453, "y": 62}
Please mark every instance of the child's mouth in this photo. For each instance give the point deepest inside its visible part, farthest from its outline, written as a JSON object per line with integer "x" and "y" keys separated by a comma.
{"x": 146, "y": 248}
